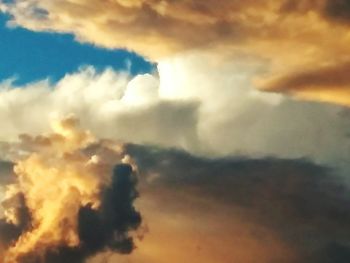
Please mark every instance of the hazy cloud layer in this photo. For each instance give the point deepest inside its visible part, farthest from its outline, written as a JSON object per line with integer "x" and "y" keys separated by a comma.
{"x": 328, "y": 83}
{"x": 219, "y": 210}
{"x": 6, "y": 171}
{"x": 206, "y": 209}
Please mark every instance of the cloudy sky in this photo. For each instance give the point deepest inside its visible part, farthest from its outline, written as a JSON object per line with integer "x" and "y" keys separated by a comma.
{"x": 174, "y": 131}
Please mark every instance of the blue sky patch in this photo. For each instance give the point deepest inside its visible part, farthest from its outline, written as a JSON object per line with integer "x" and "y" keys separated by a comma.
{"x": 30, "y": 56}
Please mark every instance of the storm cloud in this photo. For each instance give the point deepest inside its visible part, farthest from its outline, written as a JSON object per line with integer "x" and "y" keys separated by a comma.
{"x": 304, "y": 205}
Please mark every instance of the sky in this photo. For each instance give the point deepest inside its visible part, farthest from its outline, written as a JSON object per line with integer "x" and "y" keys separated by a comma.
{"x": 182, "y": 131}
{"x": 27, "y": 56}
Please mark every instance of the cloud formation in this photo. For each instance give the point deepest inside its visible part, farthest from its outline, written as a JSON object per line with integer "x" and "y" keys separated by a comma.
{"x": 283, "y": 210}
{"x": 328, "y": 83}
{"x": 67, "y": 203}
{"x": 207, "y": 109}
{"x": 212, "y": 209}
{"x": 153, "y": 28}
{"x": 108, "y": 103}
{"x": 290, "y": 36}
{"x": 292, "y": 47}
{"x": 211, "y": 58}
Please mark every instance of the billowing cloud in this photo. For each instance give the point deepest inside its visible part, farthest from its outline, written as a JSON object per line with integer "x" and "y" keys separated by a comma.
{"x": 290, "y": 36}
{"x": 223, "y": 119}
{"x": 67, "y": 203}
{"x": 211, "y": 55}
{"x": 110, "y": 104}
{"x": 211, "y": 209}
{"x": 206, "y": 108}
{"x": 235, "y": 118}
{"x": 153, "y": 28}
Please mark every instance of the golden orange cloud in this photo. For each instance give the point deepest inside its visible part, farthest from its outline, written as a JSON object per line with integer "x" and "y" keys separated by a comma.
{"x": 290, "y": 36}
{"x": 55, "y": 181}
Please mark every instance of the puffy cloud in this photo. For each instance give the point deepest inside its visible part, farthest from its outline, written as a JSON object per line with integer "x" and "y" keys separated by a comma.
{"x": 142, "y": 89}
{"x": 290, "y": 36}
{"x": 223, "y": 119}
{"x": 67, "y": 203}
{"x": 274, "y": 207}
{"x": 207, "y": 108}
{"x": 206, "y": 102}
{"x": 111, "y": 104}
{"x": 236, "y": 118}
{"x": 211, "y": 209}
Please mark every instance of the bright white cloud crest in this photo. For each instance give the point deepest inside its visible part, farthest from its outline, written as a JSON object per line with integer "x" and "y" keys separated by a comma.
{"x": 207, "y": 108}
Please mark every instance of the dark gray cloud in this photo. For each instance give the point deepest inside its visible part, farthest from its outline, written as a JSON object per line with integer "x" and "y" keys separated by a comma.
{"x": 333, "y": 10}
{"x": 10, "y": 232}
{"x": 338, "y": 10}
{"x": 6, "y": 172}
{"x": 99, "y": 229}
{"x": 305, "y": 204}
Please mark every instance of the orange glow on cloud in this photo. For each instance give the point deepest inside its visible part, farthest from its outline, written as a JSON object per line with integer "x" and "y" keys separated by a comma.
{"x": 188, "y": 233}
{"x": 56, "y": 180}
